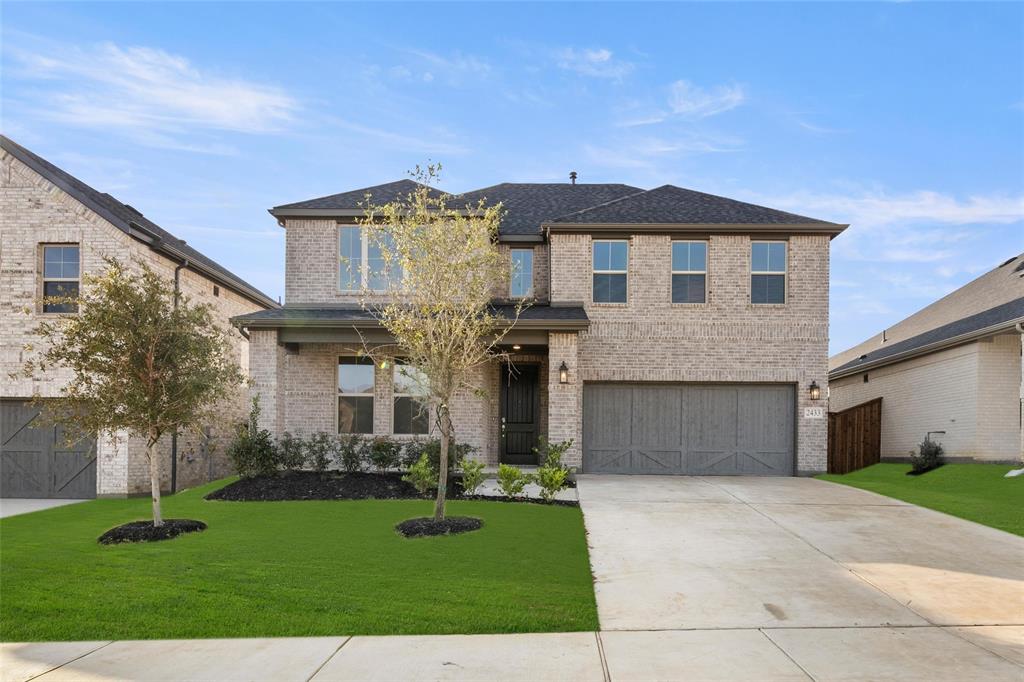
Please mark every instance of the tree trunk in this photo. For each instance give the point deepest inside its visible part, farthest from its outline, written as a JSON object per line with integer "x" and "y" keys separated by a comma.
{"x": 154, "y": 479}
{"x": 445, "y": 422}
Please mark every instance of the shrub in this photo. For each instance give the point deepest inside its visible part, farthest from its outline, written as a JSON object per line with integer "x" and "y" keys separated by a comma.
{"x": 422, "y": 475}
{"x": 351, "y": 452}
{"x": 385, "y": 454}
{"x": 291, "y": 451}
{"x": 253, "y": 453}
{"x": 928, "y": 457}
{"x": 411, "y": 451}
{"x": 512, "y": 480}
{"x": 320, "y": 451}
{"x": 472, "y": 475}
{"x": 546, "y": 450}
{"x": 552, "y": 474}
{"x": 456, "y": 452}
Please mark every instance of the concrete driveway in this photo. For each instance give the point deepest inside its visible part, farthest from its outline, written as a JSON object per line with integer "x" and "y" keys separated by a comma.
{"x": 837, "y": 578}
{"x": 13, "y": 506}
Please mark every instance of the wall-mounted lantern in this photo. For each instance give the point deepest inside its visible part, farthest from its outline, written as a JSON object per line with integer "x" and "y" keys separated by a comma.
{"x": 563, "y": 373}
{"x": 815, "y": 391}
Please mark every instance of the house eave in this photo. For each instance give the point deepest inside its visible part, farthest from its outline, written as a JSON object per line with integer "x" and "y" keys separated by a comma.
{"x": 830, "y": 229}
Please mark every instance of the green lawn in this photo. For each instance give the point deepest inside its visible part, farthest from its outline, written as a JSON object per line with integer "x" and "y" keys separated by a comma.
{"x": 292, "y": 568}
{"x": 976, "y": 492}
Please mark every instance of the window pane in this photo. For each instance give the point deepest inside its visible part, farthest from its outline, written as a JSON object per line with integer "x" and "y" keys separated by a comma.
{"x": 355, "y": 415}
{"x": 619, "y": 255}
{"x": 680, "y": 255}
{"x": 759, "y": 256}
{"x": 379, "y": 274}
{"x": 777, "y": 257}
{"x": 52, "y": 269}
{"x": 602, "y": 259}
{"x": 351, "y": 258}
{"x": 698, "y": 256}
{"x": 609, "y": 288}
{"x": 52, "y": 254}
{"x": 687, "y": 288}
{"x": 768, "y": 289}
{"x": 522, "y": 272}
{"x": 355, "y": 375}
{"x": 411, "y": 416}
{"x": 409, "y": 380}
{"x": 60, "y": 289}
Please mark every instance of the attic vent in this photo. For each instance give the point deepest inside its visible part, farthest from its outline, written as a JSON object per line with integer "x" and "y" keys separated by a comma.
{"x": 216, "y": 290}
{"x": 134, "y": 210}
{"x": 572, "y": 177}
{"x": 1008, "y": 261}
{"x": 1020, "y": 266}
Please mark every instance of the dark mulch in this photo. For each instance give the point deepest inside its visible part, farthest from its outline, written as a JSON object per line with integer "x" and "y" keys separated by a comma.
{"x": 919, "y": 472}
{"x": 144, "y": 531}
{"x": 425, "y": 526}
{"x": 531, "y": 500}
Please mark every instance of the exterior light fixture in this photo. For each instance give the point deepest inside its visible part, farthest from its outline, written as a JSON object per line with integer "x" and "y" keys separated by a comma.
{"x": 516, "y": 346}
{"x": 563, "y": 373}
{"x": 815, "y": 391}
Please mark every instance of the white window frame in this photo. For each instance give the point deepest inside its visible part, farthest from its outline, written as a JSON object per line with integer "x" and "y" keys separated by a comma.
{"x": 339, "y": 394}
{"x": 529, "y": 290}
{"x": 44, "y": 279}
{"x": 595, "y": 271}
{"x": 784, "y": 272}
{"x": 364, "y": 262}
{"x": 395, "y": 395}
{"x": 707, "y": 258}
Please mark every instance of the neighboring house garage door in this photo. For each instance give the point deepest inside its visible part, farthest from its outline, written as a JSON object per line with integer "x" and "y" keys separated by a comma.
{"x": 35, "y": 461}
{"x": 698, "y": 429}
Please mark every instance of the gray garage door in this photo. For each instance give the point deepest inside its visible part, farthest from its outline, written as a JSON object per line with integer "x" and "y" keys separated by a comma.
{"x": 35, "y": 460}
{"x": 697, "y": 429}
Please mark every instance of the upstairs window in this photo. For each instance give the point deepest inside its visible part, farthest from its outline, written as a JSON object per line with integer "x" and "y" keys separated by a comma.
{"x": 411, "y": 413}
{"x": 768, "y": 272}
{"x": 689, "y": 272}
{"x": 611, "y": 258}
{"x": 521, "y": 285}
{"x": 355, "y": 395}
{"x": 61, "y": 276}
{"x": 361, "y": 260}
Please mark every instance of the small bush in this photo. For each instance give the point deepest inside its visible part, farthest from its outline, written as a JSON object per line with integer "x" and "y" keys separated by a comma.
{"x": 253, "y": 453}
{"x": 456, "y": 452}
{"x": 929, "y": 456}
{"x": 385, "y": 454}
{"x": 411, "y": 451}
{"x": 351, "y": 448}
{"x": 422, "y": 475}
{"x": 546, "y": 450}
{"x": 552, "y": 474}
{"x": 472, "y": 475}
{"x": 291, "y": 451}
{"x": 320, "y": 452}
{"x": 512, "y": 480}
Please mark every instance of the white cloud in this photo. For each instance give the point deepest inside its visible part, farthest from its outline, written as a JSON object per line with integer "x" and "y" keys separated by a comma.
{"x": 154, "y": 95}
{"x": 692, "y": 101}
{"x": 647, "y": 152}
{"x": 594, "y": 62}
{"x": 455, "y": 69}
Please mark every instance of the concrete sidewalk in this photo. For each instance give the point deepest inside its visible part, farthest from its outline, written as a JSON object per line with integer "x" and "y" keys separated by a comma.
{"x": 730, "y": 655}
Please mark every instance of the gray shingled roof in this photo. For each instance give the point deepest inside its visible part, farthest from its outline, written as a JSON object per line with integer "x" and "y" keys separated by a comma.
{"x": 673, "y": 205}
{"x": 355, "y": 199}
{"x": 1004, "y": 315}
{"x": 529, "y": 205}
{"x": 123, "y": 217}
{"x": 327, "y": 316}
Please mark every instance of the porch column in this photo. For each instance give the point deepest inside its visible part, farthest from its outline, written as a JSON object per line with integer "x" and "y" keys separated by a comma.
{"x": 565, "y": 401}
{"x": 266, "y": 372}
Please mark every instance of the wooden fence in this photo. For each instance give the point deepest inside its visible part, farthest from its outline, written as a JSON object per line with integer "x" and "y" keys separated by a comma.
{"x": 855, "y": 437}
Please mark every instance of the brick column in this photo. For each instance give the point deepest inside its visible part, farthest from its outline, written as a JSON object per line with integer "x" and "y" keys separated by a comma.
{"x": 266, "y": 372}
{"x": 565, "y": 401}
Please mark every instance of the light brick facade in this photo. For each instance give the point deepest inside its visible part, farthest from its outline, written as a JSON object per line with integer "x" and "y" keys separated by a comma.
{"x": 34, "y": 212}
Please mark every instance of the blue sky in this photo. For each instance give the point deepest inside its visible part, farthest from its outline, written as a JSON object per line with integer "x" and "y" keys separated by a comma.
{"x": 905, "y": 120}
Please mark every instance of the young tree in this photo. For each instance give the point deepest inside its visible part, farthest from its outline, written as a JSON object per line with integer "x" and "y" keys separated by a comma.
{"x": 139, "y": 363}
{"x": 441, "y": 267}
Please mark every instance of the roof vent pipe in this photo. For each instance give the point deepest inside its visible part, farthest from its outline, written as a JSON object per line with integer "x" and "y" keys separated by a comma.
{"x": 572, "y": 177}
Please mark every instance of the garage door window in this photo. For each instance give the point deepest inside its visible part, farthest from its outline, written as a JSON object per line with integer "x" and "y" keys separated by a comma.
{"x": 60, "y": 278}
{"x": 610, "y": 263}
{"x": 768, "y": 272}
{"x": 689, "y": 271}
{"x": 355, "y": 395}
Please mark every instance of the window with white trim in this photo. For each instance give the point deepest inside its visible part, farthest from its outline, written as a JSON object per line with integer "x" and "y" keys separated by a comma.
{"x": 521, "y": 284}
{"x": 689, "y": 271}
{"x": 355, "y": 395}
{"x": 768, "y": 272}
{"x": 411, "y": 414}
{"x": 610, "y": 262}
{"x": 61, "y": 267}
{"x": 361, "y": 259}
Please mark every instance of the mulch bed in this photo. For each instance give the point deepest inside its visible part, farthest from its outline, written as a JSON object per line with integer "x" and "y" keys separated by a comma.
{"x": 426, "y": 526}
{"x": 145, "y": 531}
{"x": 919, "y": 472}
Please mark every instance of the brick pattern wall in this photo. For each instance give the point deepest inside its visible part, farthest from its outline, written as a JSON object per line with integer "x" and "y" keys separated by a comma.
{"x": 34, "y": 212}
{"x": 999, "y": 406}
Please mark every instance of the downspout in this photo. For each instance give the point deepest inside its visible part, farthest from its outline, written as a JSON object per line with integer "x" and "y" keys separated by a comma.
{"x": 174, "y": 433}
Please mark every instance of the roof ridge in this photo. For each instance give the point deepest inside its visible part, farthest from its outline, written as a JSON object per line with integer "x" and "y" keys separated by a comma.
{"x": 602, "y": 205}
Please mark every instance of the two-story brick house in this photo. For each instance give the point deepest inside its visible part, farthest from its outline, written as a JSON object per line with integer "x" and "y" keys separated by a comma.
{"x": 53, "y": 229}
{"x": 670, "y": 331}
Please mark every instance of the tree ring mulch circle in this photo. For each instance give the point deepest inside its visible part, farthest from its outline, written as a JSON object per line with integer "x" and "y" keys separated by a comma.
{"x": 144, "y": 531}
{"x": 427, "y": 526}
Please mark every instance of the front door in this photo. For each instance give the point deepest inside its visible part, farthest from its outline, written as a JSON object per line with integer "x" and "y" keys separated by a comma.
{"x": 520, "y": 406}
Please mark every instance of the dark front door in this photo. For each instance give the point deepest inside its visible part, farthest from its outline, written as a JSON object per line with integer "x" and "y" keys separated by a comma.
{"x": 520, "y": 406}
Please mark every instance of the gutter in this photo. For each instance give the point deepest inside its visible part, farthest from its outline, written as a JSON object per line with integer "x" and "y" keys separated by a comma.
{"x": 174, "y": 433}
{"x": 241, "y": 322}
{"x": 831, "y": 229}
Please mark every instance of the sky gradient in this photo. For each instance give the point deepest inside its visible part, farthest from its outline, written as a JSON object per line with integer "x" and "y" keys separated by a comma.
{"x": 904, "y": 120}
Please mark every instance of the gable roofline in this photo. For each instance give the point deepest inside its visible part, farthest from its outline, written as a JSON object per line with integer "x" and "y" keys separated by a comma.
{"x": 831, "y": 229}
{"x": 135, "y": 224}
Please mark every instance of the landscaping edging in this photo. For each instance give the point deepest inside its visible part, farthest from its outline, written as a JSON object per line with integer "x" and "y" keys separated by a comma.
{"x": 145, "y": 531}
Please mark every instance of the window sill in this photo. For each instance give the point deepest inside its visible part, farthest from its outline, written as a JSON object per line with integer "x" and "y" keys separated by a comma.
{"x": 755, "y": 306}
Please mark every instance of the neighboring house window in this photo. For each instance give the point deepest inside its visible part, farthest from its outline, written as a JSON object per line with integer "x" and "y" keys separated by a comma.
{"x": 522, "y": 273}
{"x": 610, "y": 266}
{"x": 411, "y": 414}
{"x": 355, "y": 395}
{"x": 768, "y": 272}
{"x": 361, "y": 261}
{"x": 689, "y": 271}
{"x": 61, "y": 276}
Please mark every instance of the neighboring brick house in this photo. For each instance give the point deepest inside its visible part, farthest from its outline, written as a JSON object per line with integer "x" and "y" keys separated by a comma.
{"x": 670, "y": 331}
{"x": 953, "y": 367}
{"x": 53, "y": 228}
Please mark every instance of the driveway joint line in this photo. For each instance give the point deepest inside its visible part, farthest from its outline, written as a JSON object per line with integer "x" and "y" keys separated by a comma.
{"x": 605, "y": 670}
{"x": 71, "y": 661}
{"x": 328, "y": 659}
{"x": 952, "y": 632}
{"x": 786, "y": 654}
